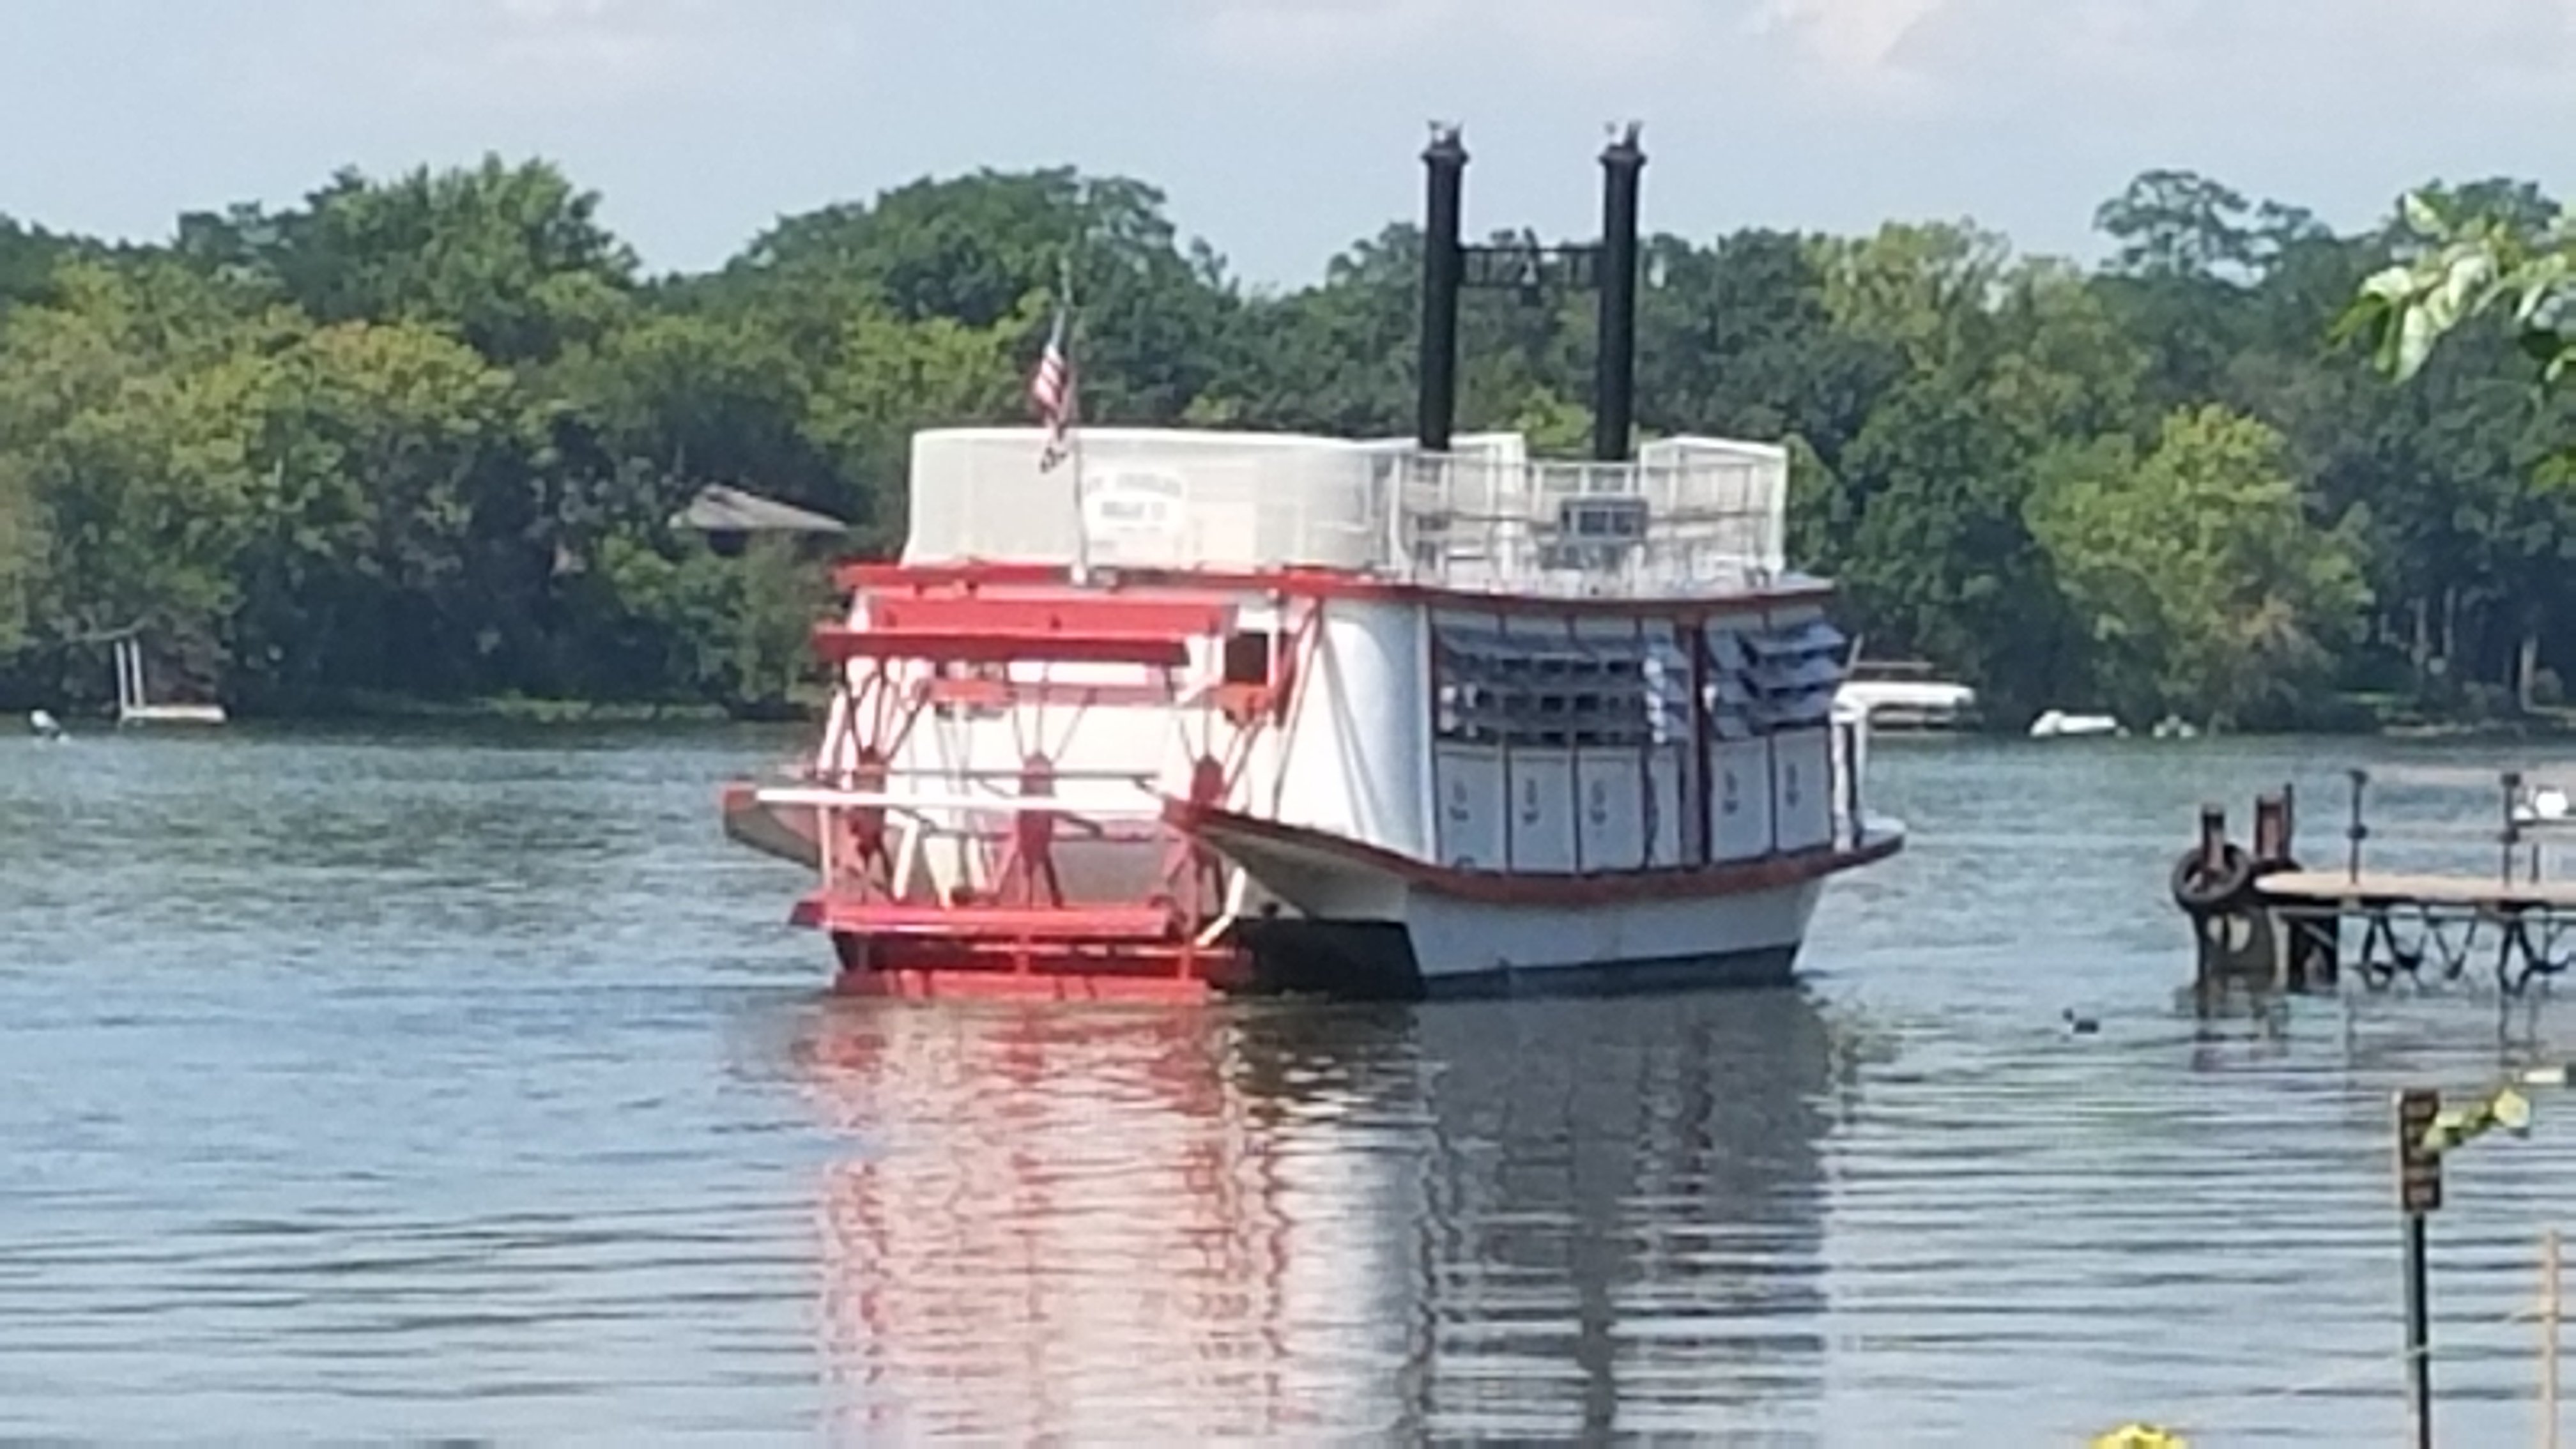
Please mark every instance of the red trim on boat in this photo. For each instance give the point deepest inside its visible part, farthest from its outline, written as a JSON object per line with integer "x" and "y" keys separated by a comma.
{"x": 1523, "y": 888}
{"x": 1126, "y": 923}
{"x": 1308, "y": 583}
{"x": 1003, "y": 693}
{"x": 839, "y": 644}
{"x": 1067, "y": 625}
{"x": 1083, "y": 613}
{"x": 984, "y": 984}
{"x": 1033, "y": 967}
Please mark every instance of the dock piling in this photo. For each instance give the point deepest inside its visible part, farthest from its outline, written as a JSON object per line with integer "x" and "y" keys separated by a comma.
{"x": 2271, "y": 829}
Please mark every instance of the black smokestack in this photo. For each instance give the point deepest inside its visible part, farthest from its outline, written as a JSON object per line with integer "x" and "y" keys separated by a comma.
{"x": 1614, "y": 386}
{"x": 1443, "y": 265}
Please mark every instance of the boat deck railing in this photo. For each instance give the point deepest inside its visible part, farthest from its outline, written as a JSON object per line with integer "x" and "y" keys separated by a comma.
{"x": 1688, "y": 517}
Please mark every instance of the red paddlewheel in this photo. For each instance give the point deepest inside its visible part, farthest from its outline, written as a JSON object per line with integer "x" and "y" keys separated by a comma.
{"x": 1026, "y": 969}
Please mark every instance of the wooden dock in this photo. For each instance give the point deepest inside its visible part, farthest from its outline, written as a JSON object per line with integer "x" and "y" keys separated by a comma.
{"x": 2263, "y": 919}
{"x": 2344, "y": 891}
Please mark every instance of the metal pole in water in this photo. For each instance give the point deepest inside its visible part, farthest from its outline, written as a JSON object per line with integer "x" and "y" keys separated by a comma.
{"x": 2419, "y": 1333}
{"x": 2419, "y": 1193}
{"x": 2512, "y": 837}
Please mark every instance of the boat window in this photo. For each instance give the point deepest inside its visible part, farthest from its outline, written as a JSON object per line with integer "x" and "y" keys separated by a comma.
{"x": 1587, "y": 692}
{"x": 1540, "y": 693}
{"x": 1247, "y": 657}
{"x": 1603, "y": 517}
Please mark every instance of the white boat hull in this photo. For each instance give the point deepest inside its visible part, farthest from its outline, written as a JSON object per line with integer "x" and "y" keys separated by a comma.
{"x": 1749, "y": 937}
{"x": 1453, "y": 948}
{"x": 1354, "y": 921}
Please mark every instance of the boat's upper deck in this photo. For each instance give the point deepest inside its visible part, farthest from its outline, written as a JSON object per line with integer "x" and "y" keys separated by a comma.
{"x": 1692, "y": 517}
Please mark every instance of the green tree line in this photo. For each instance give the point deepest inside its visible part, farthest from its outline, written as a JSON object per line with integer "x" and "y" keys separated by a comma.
{"x": 424, "y": 437}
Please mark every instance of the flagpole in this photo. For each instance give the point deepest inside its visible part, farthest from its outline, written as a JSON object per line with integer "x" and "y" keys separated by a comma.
{"x": 1073, "y": 421}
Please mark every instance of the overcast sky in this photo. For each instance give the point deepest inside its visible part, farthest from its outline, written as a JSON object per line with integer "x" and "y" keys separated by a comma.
{"x": 1283, "y": 129}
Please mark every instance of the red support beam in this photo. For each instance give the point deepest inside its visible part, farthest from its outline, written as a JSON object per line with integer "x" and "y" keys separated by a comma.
{"x": 1068, "y": 627}
{"x": 1093, "y": 615}
{"x": 1003, "y": 694}
{"x": 839, "y": 643}
{"x": 1305, "y": 582}
{"x": 1099, "y": 924}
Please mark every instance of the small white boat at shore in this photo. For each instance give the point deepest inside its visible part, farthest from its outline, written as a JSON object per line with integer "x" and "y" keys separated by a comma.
{"x": 2057, "y": 724}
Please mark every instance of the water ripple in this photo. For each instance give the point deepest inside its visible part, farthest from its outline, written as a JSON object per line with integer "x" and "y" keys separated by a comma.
{"x": 465, "y": 1086}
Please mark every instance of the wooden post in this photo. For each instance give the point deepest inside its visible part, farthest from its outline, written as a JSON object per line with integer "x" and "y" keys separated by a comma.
{"x": 2549, "y": 1340}
{"x": 2271, "y": 830}
{"x": 2357, "y": 832}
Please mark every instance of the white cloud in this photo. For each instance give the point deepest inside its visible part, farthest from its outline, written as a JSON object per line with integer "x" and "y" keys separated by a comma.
{"x": 1855, "y": 39}
{"x": 1857, "y": 42}
{"x": 1930, "y": 50}
{"x": 1336, "y": 34}
{"x": 551, "y": 54}
{"x": 2414, "y": 53}
{"x": 1295, "y": 34}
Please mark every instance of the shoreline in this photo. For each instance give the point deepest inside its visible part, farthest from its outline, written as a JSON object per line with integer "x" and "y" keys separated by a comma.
{"x": 502, "y": 709}
{"x": 373, "y": 707}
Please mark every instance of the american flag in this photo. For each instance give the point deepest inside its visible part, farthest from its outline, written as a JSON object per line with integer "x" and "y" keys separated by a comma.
{"x": 1051, "y": 392}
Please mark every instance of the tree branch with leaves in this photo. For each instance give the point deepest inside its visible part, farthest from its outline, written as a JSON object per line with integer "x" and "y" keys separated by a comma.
{"x": 2465, "y": 264}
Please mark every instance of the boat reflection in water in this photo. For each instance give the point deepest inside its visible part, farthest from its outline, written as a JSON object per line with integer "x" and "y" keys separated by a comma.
{"x": 1516, "y": 1218}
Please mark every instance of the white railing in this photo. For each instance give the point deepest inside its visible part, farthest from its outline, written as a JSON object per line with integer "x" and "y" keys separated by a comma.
{"x": 1704, "y": 521}
{"x": 1691, "y": 515}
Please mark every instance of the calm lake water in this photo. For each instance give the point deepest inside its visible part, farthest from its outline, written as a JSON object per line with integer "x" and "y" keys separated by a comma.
{"x": 466, "y": 1085}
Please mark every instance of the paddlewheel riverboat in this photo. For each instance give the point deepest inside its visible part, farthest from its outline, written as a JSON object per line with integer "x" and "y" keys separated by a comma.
{"x": 1241, "y": 712}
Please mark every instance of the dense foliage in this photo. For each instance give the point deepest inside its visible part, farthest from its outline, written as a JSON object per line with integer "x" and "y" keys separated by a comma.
{"x": 423, "y": 438}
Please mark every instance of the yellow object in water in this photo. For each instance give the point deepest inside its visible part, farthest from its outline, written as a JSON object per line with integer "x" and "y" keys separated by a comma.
{"x": 2140, "y": 1436}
